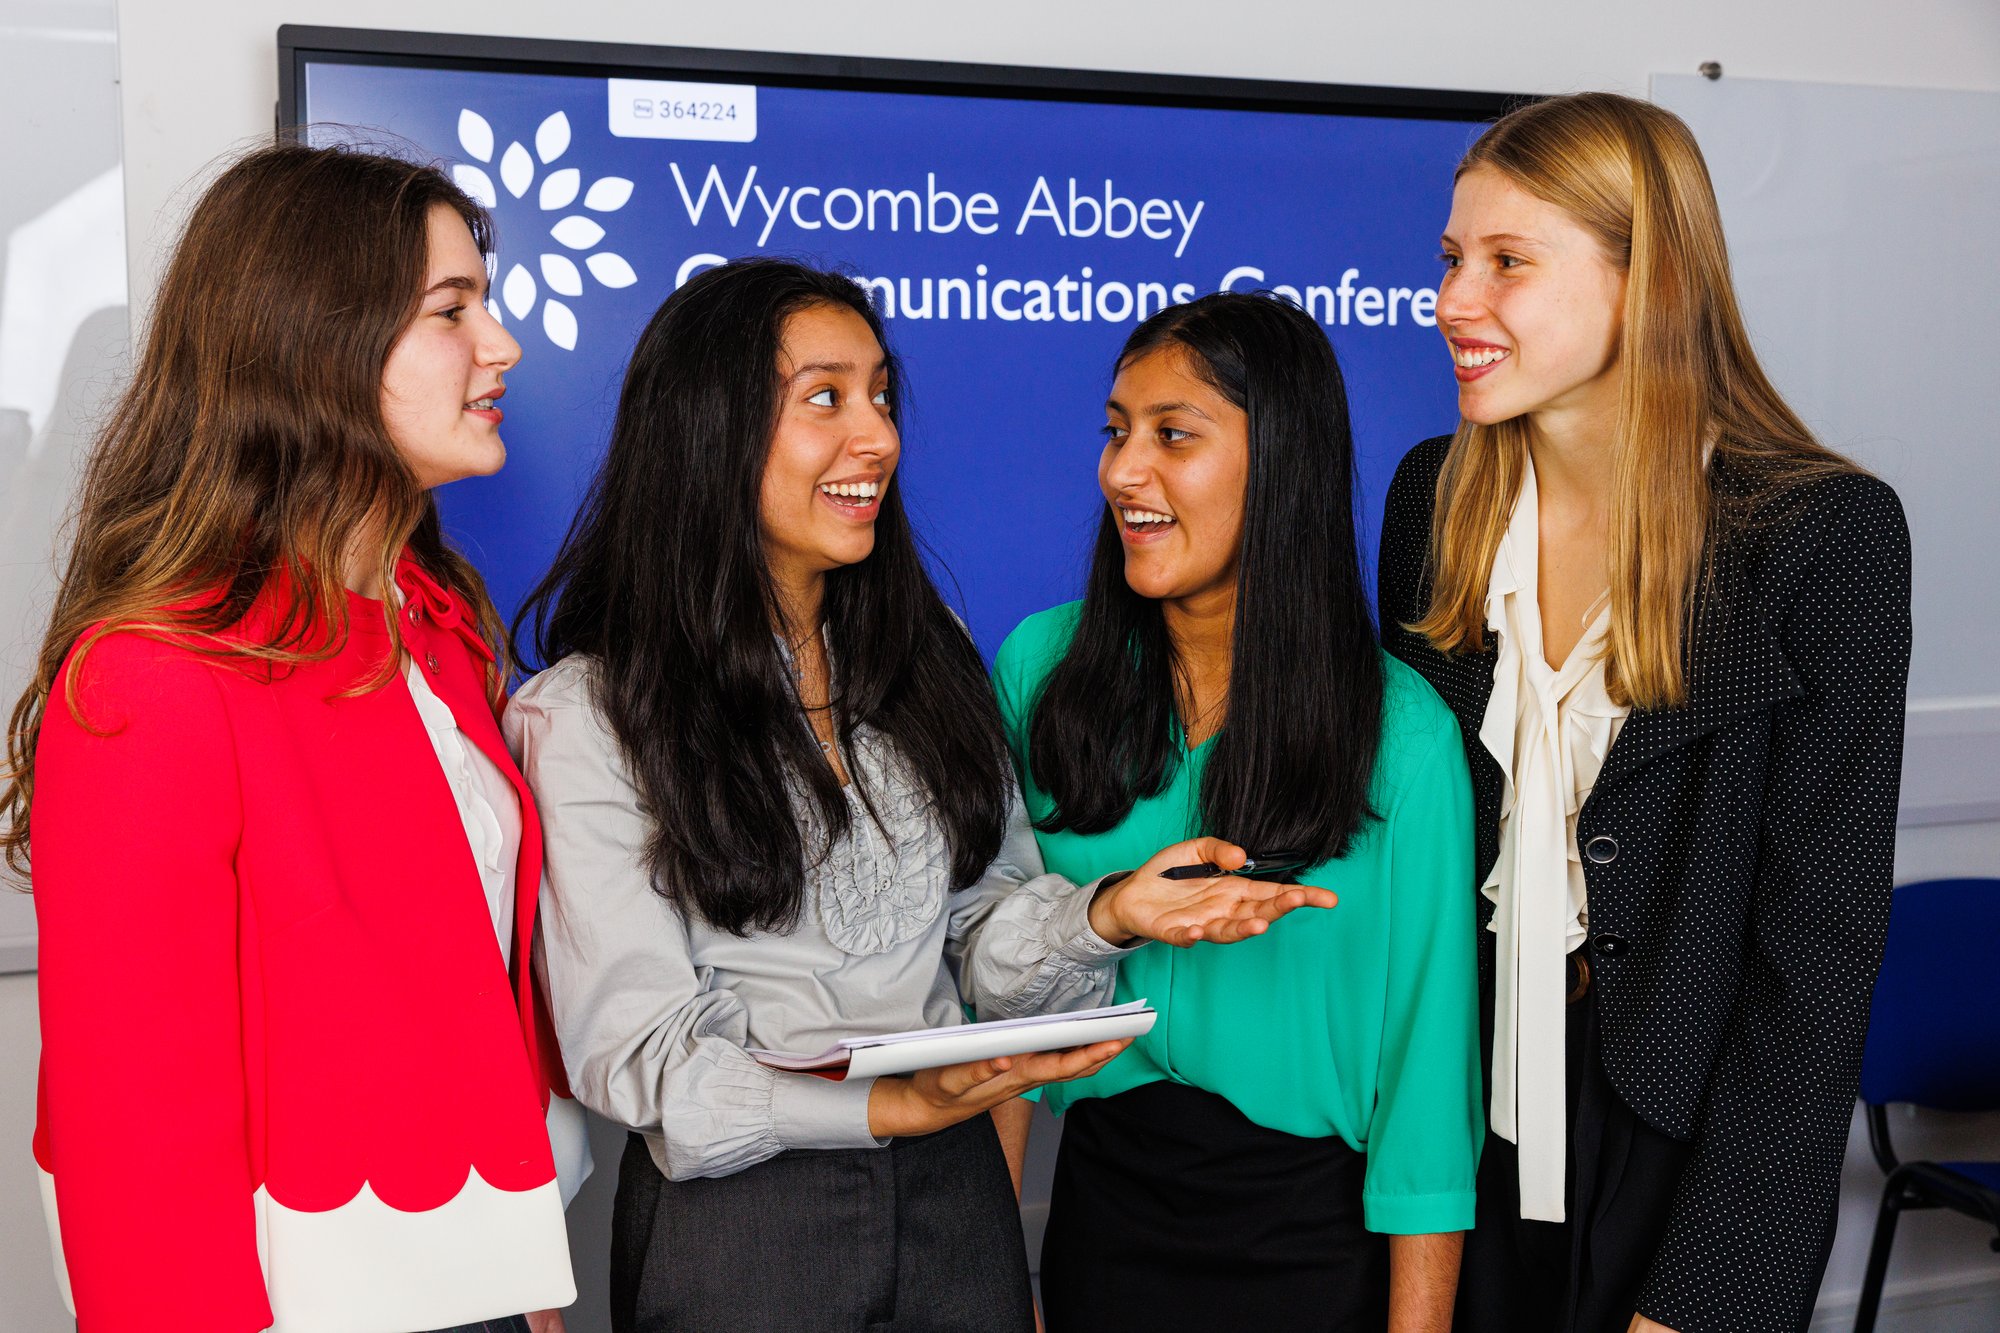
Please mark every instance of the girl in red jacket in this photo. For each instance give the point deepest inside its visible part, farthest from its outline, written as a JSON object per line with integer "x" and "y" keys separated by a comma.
{"x": 292, "y": 1057}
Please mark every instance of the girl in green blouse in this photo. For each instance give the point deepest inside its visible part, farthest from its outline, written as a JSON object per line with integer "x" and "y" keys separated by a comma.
{"x": 1294, "y": 1143}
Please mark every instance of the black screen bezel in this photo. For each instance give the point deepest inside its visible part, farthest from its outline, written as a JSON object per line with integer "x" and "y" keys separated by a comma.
{"x": 300, "y": 45}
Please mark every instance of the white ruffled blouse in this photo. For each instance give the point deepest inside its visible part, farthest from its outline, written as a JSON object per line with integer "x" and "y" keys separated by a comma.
{"x": 491, "y": 812}
{"x": 1549, "y": 729}
{"x": 487, "y": 804}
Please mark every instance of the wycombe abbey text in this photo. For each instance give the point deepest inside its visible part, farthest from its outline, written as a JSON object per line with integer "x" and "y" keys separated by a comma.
{"x": 1068, "y": 212}
{"x": 810, "y": 207}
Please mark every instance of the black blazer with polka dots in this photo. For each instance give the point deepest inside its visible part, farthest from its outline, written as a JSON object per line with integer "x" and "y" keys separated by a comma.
{"x": 1737, "y": 852}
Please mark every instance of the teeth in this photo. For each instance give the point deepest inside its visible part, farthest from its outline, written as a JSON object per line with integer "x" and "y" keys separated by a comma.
{"x": 1135, "y": 517}
{"x": 481, "y": 404}
{"x": 864, "y": 490}
{"x": 1471, "y": 357}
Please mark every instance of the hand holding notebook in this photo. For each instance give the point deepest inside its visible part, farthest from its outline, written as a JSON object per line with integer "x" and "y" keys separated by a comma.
{"x": 931, "y": 1048}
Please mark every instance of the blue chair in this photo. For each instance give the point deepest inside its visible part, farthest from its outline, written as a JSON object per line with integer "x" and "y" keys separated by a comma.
{"x": 1933, "y": 1040}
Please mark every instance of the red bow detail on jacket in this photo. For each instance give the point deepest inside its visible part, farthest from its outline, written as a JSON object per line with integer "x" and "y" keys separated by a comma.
{"x": 446, "y": 609}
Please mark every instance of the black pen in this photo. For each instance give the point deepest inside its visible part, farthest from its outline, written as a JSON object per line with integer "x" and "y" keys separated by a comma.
{"x": 1276, "y": 862}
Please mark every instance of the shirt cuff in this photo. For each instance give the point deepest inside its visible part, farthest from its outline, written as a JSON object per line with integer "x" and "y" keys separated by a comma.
{"x": 1417, "y": 1214}
{"x": 1071, "y": 933}
{"x": 808, "y": 1111}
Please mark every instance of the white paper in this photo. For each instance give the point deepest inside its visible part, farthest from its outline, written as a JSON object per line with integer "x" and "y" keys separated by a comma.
{"x": 928, "y": 1048}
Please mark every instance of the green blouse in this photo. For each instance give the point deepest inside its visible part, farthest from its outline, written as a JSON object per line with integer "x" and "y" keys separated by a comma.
{"x": 1361, "y": 1020}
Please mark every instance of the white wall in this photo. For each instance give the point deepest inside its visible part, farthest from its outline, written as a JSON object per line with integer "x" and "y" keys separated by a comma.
{"x": 63, "y": 332}
{"x": 199, "y": 77}
{"x": 29, "y": 1302}
{"x": 63, "y": 323}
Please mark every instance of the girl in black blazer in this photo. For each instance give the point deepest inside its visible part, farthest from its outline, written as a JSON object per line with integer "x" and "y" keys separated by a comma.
{"x": 1675, "y": 631}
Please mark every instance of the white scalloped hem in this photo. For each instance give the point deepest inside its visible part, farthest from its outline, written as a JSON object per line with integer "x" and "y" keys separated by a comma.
{"x": 365, "y": 1266}
{"x": 55, "y": 1237}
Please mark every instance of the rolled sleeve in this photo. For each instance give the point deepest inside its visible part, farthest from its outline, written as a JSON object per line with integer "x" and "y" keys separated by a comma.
{"x": 1425, "y": 1133}
{"x": 1021, "y": 939}
{"x": 812, "y": 1112}
{"x": 1068, "y": 924}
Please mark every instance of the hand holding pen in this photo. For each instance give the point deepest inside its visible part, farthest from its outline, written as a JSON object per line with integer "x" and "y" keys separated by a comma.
{"x": 1195, "y": 891}
{"x": 1271, "y": 866}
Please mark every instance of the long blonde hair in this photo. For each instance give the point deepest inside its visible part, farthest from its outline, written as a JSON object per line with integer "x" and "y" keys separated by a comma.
{"x": 1632, "y": 175}
{"x": 249, "y": 454}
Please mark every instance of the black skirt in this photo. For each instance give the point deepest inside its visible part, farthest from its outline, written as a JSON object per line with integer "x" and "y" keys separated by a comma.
{"x": 1172, "y": 1210}
{"x": 922, "y": 1236}
{"x": 1582, "y": 1275}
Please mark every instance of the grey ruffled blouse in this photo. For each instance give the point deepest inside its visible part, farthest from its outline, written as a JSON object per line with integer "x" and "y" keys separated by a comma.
{"x": 654, "y": 1010}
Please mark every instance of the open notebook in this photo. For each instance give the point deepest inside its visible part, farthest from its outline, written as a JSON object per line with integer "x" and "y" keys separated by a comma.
{"x": 905, "y": 1052}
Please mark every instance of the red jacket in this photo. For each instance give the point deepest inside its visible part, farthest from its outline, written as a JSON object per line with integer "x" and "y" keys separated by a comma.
{"x": 275, "y": 1020}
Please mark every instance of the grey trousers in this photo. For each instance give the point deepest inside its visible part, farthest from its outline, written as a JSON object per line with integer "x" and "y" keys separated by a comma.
{"x": 920, "y": 1237}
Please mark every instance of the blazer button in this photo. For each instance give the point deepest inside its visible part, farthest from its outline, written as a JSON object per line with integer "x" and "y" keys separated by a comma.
{"x": 1608, "y": 944}
{"x": 431, "y": 661}
{"x": 1602, "y": 850}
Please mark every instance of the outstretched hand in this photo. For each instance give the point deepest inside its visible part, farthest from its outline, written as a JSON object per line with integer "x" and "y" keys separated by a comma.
{"x": 1221, "y": 909}
{"x": 933, "y": 1099}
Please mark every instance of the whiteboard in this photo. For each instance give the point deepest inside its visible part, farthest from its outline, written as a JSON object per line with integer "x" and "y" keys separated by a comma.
{"x": 64, "y": 330}
{"x": 1860, "y": 224}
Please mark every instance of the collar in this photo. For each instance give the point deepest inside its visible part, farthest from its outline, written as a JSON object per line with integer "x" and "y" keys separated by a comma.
{"x": 1732, "y": 650}
{"x": 1735, "y": 656}
{"x": 1518, "y": 558}
{"x": 424, "y": 598}
{"x": 1736, "y": 664}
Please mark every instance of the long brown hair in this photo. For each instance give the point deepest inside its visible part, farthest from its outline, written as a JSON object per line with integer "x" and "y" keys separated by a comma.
{"x": 249, "y": 455}
{"x": 1632, "y": 175}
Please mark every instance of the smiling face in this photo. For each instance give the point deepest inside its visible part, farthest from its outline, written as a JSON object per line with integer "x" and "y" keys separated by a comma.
{"x": 834, "y": 448}
{"x": 1175, "y": 464}
{"x": 443, "y": 376}
{"x": 1530, "y": 305}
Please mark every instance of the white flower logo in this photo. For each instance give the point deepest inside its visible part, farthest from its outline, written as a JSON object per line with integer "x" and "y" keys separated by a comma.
{"x": 574, "y": 232}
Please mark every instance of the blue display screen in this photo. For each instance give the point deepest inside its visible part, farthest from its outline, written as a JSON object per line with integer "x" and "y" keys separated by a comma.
{"x": 1013, "y": 243}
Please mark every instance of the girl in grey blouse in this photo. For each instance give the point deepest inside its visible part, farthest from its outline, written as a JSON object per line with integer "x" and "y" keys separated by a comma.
{"x": 777, "y": 810}
{"x": 654, "y": 1009}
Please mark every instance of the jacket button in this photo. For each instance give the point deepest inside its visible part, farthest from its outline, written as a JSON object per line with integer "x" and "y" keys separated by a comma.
{"x": 1608, "y": 944}
{"x": 1601, "y": 850}
{"x": 416, "y": 614}
{"x": 431, "y": 661}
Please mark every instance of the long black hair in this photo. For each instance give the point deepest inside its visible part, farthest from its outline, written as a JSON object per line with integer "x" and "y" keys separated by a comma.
{"x": 1291, "y": 763}
{"x": 662, "y": 580}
